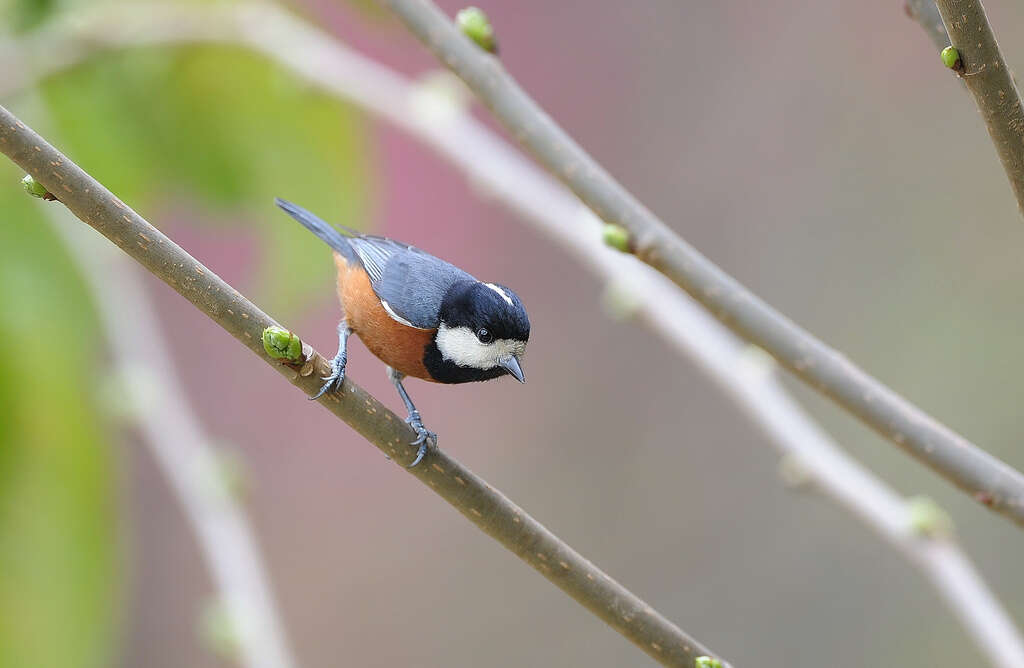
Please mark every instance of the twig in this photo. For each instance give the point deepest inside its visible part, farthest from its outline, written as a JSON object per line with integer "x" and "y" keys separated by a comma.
{"x": 985, "y": 74}
{"x": 483, "y": 505}
{"x": 927, "y": 14}
{"x": 180, "y": 447}
{"x": 557, "y": 214}
{"x": 754, "y": 385}
{"x": 986, "y": 478}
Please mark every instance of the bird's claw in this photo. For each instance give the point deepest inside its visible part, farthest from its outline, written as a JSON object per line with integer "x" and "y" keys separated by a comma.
{"x": 334, "y": 381}
{"x": 424, "y": 437}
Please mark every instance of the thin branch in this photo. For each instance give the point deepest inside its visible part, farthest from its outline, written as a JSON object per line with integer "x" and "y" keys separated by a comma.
{"x": 986, "y": 478}
{"x": 927, "y": 14}
{"x": 991, "y": 83}
{"x": 483, "y": 505}
{"x": 180, "y": 447}
{"x": 755, "y": 386}
{"x": 554, "y": 212}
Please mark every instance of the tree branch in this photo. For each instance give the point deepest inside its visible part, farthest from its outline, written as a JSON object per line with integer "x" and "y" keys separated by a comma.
{"x": 181, "y": 448}
{"x": 986, "y": 478}
{"x": 755, "y": 386}
{"x": 991, "y": 83}
{"x": 554, "y": 212}
{"x": 483, "y": 505}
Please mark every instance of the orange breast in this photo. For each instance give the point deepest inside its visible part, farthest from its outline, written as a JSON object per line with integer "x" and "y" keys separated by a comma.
{"x": 397, "y": 345}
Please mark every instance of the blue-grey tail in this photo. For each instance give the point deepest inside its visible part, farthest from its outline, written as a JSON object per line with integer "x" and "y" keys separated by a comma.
{"x": 321, "y": 228}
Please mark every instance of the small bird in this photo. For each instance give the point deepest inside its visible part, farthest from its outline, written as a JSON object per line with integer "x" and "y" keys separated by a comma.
{"x": 420, "y": 315}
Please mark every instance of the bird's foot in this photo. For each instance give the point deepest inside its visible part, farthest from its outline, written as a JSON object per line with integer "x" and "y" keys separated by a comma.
{"x": 333, "y": 381}
{"x": 425, "y": 438}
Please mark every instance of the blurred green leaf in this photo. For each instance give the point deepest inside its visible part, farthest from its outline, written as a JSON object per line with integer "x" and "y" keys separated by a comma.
{"x": 27, "y": 14}
{"x": 57, "y": 533}
{"x": 219, "y": 632}
{"x": 229, "y": 130}
{"x": 209, "y": 128}
{"x": 22, "y": 15}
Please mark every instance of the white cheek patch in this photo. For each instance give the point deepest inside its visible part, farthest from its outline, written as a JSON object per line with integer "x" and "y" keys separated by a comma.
{"x": 501, "y": 293}
{"x": 460, "y": 345}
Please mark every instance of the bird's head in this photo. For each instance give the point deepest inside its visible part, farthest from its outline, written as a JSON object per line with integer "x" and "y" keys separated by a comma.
{"x": 483, "y": 330}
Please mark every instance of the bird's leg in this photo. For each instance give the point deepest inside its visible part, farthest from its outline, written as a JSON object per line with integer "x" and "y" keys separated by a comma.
{"x": 337, "y": 377}
{"x": 424, "y": 437}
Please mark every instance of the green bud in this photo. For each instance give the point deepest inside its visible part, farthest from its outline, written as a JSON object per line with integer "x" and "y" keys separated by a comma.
{"x": 475, "y": 25}
{"x": 282, "y": 345}
{"x": 35, "y": 188}
{"x": 620, "y": 301}
{"x": 232, "y": 471}
{"x": 756, "y": 363}
{"x": 951, "y": 58}
{"x": 130, "y": 392}
{"x": 794, "y": 472}
{"x": 218, "y": 631}
{"x": 617, "y": 237}
{"x": 927, "y": 518}
{"x": 707, "y": 662}
{"x": 439, "y": 97}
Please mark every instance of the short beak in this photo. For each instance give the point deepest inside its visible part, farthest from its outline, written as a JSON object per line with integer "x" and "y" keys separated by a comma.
{"x": 512, "y": 366}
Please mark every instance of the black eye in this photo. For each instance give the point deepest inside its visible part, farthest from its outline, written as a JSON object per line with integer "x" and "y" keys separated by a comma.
{"x": 484, "y": 335}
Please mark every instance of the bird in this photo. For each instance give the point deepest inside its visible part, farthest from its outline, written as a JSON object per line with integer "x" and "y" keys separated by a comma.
{"x": 420, "y": 315}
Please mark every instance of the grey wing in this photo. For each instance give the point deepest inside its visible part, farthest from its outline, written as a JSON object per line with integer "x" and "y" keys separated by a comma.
{"x": 375, "y": 252}
{"x": 409, "y": 282}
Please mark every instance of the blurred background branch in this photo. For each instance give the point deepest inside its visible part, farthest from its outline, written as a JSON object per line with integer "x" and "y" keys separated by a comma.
{"x": 988, "y": 480}
{"x": 927, "y": 14}
{"x": 434, "y": 114}
{"x": 486, "y": 507}
{"x": 153, "y": 397}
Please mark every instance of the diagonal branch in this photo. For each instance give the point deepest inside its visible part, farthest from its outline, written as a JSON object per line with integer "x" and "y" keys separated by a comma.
{"x": 863, "y": 494}
{"x": 985, "y": 74}
{"x": 482, "y": 504}
{"x": 986, "y": 478}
